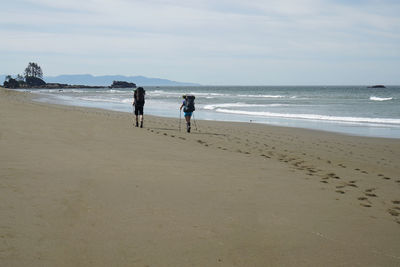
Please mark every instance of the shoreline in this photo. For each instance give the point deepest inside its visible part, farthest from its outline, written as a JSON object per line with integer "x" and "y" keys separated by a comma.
{"x": 288, "y": 128}
{"x": 346, "y": 128}
{"x": 82, "y": 186}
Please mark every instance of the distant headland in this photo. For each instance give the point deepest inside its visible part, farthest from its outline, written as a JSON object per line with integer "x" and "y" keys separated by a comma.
{"x": 33, "y": 78}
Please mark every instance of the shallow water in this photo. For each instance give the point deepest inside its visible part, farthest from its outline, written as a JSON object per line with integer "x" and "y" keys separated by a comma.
{"x": 355, "y": 110}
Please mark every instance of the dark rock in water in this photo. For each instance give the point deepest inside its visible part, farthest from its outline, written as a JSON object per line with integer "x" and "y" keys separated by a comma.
{"x": 34, "y": 81}
{"x": 122, "y": 84}
{"x": 377, "y": 86}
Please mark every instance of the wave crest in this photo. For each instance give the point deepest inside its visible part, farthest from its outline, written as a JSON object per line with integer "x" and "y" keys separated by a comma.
{"x": 314, "y": 117}
{"x": 375, "y": 98}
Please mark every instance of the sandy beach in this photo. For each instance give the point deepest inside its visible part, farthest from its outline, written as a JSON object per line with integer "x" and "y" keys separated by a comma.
{"x": 83, "y": 187}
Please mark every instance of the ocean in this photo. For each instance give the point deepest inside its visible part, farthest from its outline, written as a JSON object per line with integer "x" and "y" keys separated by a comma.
{"x": 353, "y": 110}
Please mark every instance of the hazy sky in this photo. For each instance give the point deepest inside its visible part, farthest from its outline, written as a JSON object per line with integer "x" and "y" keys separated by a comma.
{"x": 231, "y": 42}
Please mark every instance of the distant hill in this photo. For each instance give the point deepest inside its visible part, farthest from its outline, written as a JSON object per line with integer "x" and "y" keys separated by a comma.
{"x": 87, "y": 79}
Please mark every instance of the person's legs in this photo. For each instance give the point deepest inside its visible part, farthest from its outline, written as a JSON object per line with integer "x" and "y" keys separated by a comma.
{"x": 188, "y": 123}
{"x": 141, "y": 121}
{"x": 141, "y": 117}
{"x": 136, "y": 114}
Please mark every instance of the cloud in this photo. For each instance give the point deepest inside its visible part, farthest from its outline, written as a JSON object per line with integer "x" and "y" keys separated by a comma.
{"x": 204, "y": 33}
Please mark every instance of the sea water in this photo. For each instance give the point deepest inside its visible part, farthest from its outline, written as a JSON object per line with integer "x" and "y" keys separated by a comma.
{"x": 354, "y": 110}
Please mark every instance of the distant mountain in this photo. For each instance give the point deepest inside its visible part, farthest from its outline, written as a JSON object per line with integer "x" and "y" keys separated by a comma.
{"x": 87, "y": 79}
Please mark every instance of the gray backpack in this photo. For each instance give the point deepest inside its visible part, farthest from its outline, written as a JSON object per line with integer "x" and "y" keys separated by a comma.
{"x": 189, "y": 103}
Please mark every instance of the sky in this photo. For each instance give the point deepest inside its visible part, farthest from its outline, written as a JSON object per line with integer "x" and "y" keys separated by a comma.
{"x": 210, "y": 42}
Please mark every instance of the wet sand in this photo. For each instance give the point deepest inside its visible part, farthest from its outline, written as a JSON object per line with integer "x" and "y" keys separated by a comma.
{"x": 83, "y": 187}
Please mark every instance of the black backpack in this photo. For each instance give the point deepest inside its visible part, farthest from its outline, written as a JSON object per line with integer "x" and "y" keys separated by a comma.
{"x": 189, "y": 103}
{"x": 139, "y": 96}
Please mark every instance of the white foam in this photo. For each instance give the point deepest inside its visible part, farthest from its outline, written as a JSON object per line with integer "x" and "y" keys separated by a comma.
{"x": 239, "y": 105}
{"x": 127, "y": 100}
{"x": 263, "y": 96}
{"x": 375, "y": 98}
{"x": 114, "y": 91}
{"x": 313, "y": 117}
{"x": 106, "y": 100}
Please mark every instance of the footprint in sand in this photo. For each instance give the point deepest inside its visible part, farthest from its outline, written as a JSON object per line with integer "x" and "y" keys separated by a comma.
{"x": 396, "y": 201}
{"x": 340, "y": 191}
{"x": 332, "y": 175}
{"x": 365, "y": 205}
{"x": 393, "y": 212}
{"x": 312, "y": 170}
{"x": 352, "y": 184}
{"x": 371, "y": 194}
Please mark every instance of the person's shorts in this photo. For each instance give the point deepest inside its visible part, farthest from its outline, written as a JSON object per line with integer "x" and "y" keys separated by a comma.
{"x": 138, "y": 110}
{"x": 188, "y": 114}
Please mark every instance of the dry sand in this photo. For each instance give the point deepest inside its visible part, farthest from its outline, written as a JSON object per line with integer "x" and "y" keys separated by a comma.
{"x": 83, "y": 187}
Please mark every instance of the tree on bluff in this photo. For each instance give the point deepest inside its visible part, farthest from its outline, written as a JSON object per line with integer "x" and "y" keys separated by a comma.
{"x": 34, "y": 75}
{"x": 33, "y": 70}
{"x": 10, "y": 82}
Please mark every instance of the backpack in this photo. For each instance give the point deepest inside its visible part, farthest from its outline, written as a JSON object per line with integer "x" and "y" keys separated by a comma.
{"x": 139, "y": 96}
{"x": 189, "y": 103}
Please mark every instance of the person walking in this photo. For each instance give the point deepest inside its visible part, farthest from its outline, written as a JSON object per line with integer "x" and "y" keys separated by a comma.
{"x": 188, "y": 108}
{"x": 138, "y": 103}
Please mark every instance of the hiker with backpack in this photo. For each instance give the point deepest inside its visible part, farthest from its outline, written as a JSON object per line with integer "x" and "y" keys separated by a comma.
{"x": 188, "y": 108}
{"x": 138, "y": 103}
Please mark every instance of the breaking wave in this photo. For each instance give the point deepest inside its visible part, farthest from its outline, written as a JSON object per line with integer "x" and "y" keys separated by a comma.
{"x": 374, "y": 98}
{"x": 313, "y": 117}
